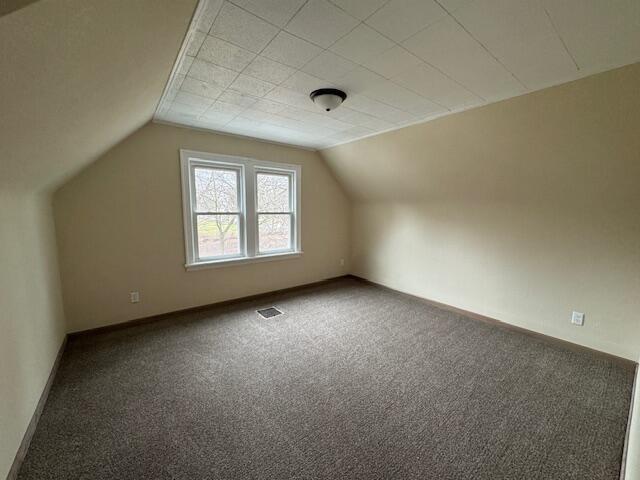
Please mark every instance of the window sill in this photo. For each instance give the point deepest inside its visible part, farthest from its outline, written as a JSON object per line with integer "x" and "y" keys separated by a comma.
{"x": 228, "y": 262}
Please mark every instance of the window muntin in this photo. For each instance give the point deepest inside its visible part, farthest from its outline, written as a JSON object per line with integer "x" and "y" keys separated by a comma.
{"x": 238, "y": 209}
{"x": 274, "y": 211}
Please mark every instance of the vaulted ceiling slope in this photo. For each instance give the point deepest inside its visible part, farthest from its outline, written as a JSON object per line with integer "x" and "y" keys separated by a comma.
{"x": 574, "y": 146}
{"x": 248, "y": 66}
{"x": 8, "y": 6}
{"x": 77, "y": 77}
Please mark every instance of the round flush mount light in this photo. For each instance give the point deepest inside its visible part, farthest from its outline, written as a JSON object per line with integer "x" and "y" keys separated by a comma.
{"x": 328, "y": 98}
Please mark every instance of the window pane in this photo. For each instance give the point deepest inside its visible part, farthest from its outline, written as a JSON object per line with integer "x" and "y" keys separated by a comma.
{"x": 273, "y": 193}
{"x": 218, "y": 235}
{"x": 274, "y": 232}
{"x": 216, "y": 190}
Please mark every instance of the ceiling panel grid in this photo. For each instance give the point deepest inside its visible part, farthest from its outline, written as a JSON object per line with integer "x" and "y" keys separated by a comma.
{"x": 247, "y": 66}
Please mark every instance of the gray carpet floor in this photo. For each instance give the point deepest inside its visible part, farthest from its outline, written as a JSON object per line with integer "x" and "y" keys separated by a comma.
{"x": 352, "y": 382}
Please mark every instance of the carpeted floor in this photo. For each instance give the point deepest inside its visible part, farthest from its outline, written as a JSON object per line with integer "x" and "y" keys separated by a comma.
{"x": 352, "y": 382}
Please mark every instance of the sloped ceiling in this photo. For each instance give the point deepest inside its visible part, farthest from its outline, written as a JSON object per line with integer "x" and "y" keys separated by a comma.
{"x": 8, "y": 6}
{"x": 559, "y": 139}
{"x": 77, "y": 77}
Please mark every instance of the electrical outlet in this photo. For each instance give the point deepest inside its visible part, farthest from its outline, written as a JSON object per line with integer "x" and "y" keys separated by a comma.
{"x": 577, "y": 318}
{"x": 134, "y": 297}
{"x": 342, "y": 262}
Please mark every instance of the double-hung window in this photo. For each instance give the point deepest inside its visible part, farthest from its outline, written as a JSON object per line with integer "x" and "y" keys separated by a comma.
{"x": 238, "y": 209}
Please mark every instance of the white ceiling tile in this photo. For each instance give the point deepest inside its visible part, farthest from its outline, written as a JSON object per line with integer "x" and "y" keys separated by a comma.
{"x": 196, "y": 102}
{"x": 600, "y": 34}
{"x": 280, "y": 130}
{"x": 175, "y": 83}
{"x": 377, "y": 124}
{"x": 393, "y": 62}
{"x": 290, "y": 50}
{"x": 499, "y": 49}
{"x": 361, "y": 44}
{"x": 447, "y": 46}
{"x": 356, "y": 118}
{"x": 321, "y": 23}
{"x": 316, "y": 118}
{"x": 336, "y": 138}
{"x": 359, "y": 8}
{"x": 215, "y": 119}
{"x": 294, "y": 113}
{"x": 288, "y": 119}
{"x": 359, "y": 80}
{"x": 520, "y": 35}
{"x": 407, "y": 123}
{"x": 359, "y": 131}
{"x": 181, "y": 114}
{"x": 203, "y": 89}
{"x": 258, "y": 115}
{"x": 495, "y": 22}
{"x": 185, "y": 65}
{"x": 283, "y": 122}
{"x": 233, "y": 129}
{"x": 251, "y": 86}
{"x": 210, "y": 9}
{"x": 237, "y": 98}
{"x": 268, "y": 106}
{"x": 242, "y": 28}
{"x": 194, "y": 42}
{"x": 348, "y": 135}
{"x": 162, "y": 109}
{"x": 168, "y": 99}
{"x": 333, "y": 122}
{"x": 225, "y": 54}
{"x": 222, "y": 108}
{"x": 210, "y": 73}
{"x": 313, "y": 129}
{"x": 540, "y": 63}
{"x": 329, "y": 66}
{"x": 304, "y": 83}
{"x": 291, "y": 98}
{"x": 453, "y": 5}
{"x": 370, "y": 106}
{"x": 268, "y": 70}
{"x": 184, "y": 109}
{"x": 347, "y": 115}
{"x": 401, "y": 98}
{"x": 245, "y": 124}
{"x": 399, "y": 19}
{"x": 430, "y": 83}
{"x": 278, "y": 12}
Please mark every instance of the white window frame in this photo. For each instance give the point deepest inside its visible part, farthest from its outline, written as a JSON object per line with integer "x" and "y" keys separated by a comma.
{"x": 248, "y": 169}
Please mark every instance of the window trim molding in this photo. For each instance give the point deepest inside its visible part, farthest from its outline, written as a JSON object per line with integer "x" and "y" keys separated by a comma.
{"x": 248, "y": 170}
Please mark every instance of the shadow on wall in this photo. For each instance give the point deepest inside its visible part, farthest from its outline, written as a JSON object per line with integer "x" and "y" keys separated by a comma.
{"x": 31, "y": 316}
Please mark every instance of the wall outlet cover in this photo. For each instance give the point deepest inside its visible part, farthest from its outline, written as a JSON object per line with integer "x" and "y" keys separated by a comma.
{"x": 577, "y": 318}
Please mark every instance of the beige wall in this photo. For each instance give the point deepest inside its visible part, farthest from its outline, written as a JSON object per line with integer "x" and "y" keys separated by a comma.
{"x": 31, "y": 317}
{"x": 523, "y": 210}
{"x": 119, "y": 227}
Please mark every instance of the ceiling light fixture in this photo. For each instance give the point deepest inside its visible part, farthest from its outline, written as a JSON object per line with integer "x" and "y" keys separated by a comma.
{"x": 328, "y": 98}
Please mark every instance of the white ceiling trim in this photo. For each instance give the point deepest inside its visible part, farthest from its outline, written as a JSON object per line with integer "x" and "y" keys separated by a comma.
{"x": 227, "y": 134}
{"x": 246, "y": 67}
